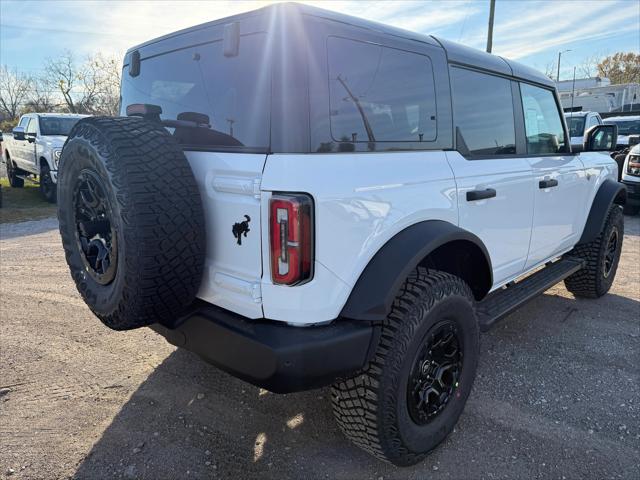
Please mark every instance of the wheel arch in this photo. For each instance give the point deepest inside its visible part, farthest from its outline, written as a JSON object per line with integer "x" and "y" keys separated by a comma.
{"x": 610, "y": 192}
{"x": 433, "y": 243}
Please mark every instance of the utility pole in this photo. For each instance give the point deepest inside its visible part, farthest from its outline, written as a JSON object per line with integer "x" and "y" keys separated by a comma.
{"x": 492, "y": 9}
{"x": 560, "y": 55}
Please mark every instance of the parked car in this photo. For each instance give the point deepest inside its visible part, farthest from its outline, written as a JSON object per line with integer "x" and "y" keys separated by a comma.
{"x": 305, "y": 198}
{"x": 578, "y": 123}
{"x": 631, "y": 179}
{"x": 34, "y": 149}
{"x": 629, "y": 125}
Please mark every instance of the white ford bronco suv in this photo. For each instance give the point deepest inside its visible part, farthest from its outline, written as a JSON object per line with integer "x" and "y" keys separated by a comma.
{"x": 35, "y": 149}
{"x": 304, "y": 199}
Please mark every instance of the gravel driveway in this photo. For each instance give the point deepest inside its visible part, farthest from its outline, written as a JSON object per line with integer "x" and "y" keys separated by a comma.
{"x": 557, "y": 393}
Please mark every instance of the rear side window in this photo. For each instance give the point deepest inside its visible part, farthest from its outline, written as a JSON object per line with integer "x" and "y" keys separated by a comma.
{"x": 483, "y": 113}
{"x": 380, "y": 94}
{"x": 222, "y": 102}
{"x": 542, "y": 122}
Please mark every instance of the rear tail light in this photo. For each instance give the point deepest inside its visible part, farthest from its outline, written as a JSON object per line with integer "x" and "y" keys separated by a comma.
{"x": 291, "y": 238}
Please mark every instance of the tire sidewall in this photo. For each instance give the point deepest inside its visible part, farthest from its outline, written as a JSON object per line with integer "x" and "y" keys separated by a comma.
{"x": 49, "y": 194}
{"x": 80, "y": 154}
{"x": 615, "y": 221}
{"x": 422, "y": 438}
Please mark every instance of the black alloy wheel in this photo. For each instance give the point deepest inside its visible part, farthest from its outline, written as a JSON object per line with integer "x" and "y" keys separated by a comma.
{"x": 96, "y": 235}
{"x": 435, "y": 372}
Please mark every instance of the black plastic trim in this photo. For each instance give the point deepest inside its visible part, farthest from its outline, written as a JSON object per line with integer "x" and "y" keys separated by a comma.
{"x": 610, "y": 192}
{"x": 274, "y": 355}
{"x": 379, "y": 283}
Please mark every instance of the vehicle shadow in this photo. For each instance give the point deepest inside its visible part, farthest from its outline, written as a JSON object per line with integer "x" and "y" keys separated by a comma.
{"x": 190, "y": 420}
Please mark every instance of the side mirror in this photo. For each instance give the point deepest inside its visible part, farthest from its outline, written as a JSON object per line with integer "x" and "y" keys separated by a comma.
{"x": 18, "y": 133}
{"x": 601, "y": 138}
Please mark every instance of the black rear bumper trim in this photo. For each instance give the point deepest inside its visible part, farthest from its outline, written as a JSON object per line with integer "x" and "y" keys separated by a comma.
{"x": 273, "y": 355}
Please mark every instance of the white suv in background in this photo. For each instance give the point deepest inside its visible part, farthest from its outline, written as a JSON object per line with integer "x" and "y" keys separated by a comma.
{"x": 305, "y": 198}
{"x": 35, "y": 147}
{"x": 631, "y": 179}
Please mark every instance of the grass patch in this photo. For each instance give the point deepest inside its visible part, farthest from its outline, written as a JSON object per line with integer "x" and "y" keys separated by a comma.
{"x": 22, "y": 204}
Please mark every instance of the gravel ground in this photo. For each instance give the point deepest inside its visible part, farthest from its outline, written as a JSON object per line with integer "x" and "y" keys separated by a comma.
{"x": 557, "y": 393}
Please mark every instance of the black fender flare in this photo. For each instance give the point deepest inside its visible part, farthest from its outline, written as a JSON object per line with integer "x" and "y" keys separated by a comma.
{"x": 373, "y": 294}
{"x": 610, "y": 192}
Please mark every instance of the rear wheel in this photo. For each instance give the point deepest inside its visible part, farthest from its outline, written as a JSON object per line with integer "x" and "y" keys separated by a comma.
{"x": 12, "y": 174}
{"x": 47, "y": 187}
{"x": 409, "y": 397}
{"x": 601, "y": 258}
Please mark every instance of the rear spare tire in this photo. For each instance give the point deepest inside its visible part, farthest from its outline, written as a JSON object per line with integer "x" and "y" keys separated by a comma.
{"x": 131, "y": 221}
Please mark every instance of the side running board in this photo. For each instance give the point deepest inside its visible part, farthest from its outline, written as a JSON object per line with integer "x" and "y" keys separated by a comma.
{"x": 501, "y": 303}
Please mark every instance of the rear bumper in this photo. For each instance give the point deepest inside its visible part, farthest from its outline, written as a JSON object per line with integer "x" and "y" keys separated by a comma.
{"x": 271, "y": 355}
{"x": 633, "y": 192}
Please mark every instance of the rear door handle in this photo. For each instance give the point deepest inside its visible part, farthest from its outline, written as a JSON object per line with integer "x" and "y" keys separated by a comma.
{"x": 480, "y": 194}
{"x": 548, "y": 183}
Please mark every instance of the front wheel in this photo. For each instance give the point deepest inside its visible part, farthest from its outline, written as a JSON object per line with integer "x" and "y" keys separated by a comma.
{"x": 601, "y": 258}
{"x": 12, "y": 174}
{"x": 47, "y": 187}
{"x": 411, "y": 394}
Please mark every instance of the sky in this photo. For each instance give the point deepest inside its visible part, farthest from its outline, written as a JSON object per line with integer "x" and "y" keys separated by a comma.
{"x": 530, "y": 31}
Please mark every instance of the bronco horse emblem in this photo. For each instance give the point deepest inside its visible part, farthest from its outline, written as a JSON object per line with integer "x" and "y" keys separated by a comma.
{"x": 241, "y": 228}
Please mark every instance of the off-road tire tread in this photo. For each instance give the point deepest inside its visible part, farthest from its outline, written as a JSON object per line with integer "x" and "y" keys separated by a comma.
{"x": 162, "y": 215}
{"x": 355, "y": 400}
{"x": 47, "y": 171}
{"x": 584, "y": 283}
{"x": 14, "y": 181}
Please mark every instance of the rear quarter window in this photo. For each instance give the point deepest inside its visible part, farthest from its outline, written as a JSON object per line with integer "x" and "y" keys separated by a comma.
{"x": 379, "y": 94}
{"x": 223, "y": 100}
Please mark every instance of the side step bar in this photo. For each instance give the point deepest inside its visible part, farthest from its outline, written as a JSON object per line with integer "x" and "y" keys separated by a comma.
{"x": 501, "y": 303}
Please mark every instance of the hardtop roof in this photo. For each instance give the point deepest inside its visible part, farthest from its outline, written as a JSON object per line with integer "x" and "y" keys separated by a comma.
{"x": 456, "y": 53}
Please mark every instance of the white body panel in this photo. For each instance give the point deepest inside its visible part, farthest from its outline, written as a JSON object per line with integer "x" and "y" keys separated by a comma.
{"x": 559, "y": 212}
{"x": 361, "y": 201}
{"x": 503, "y": 223}
{"x": 229, "y": 186}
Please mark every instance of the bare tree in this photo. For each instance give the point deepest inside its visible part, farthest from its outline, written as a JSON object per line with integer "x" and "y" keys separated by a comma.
{"x": 40, "y": 97}
{"x": 63, "y": 74}
{"x": 92, "y": 86}
{"x": 14, "y": 86}
{"x": 589, "y": 66}
{"x": 550, "y": 69}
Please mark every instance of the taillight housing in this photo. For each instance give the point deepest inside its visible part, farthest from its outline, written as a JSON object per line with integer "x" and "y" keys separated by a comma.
{"x": 291, "y": 238}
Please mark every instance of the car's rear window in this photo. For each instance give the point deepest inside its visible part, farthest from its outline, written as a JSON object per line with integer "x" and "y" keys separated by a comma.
{"x": 380, "y": 94}
{"x": 222, "y": 101}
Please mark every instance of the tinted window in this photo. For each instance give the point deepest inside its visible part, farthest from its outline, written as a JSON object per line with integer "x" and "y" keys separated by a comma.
{"x": 542, "y": 123}
{"x": 483, "y": 113}
{"x": 220, "y": 101}
{"x": 626, "y": 127}
{"x": 593, "y": 121}
{"x": 31, "y": 128}
{"x": 576, "y": 126}
{"x": 24, "y": 121}
{"x": 380, "y": 94}
{"x": 57, "y": 125}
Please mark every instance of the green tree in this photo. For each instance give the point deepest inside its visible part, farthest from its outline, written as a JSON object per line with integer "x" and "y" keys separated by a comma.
{"x": 621, "y": 67}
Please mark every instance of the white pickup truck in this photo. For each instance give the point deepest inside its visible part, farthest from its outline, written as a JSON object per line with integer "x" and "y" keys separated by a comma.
{"x": 35, "y": 147}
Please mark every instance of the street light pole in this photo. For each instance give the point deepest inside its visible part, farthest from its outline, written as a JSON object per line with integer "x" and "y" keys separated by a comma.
{"x": 560, "y": 55}
{"x": 492, "y": 8}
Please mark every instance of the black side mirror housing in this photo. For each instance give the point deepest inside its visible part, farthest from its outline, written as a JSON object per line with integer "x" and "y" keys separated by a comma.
{"x": 18, "y": 133}
{"x": 601, "y": 138}
{"x": 31, "y": 137}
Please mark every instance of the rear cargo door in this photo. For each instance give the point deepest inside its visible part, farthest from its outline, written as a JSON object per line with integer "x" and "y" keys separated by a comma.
{"x": 212, "y": 86}
{"x": 230, "y": 190}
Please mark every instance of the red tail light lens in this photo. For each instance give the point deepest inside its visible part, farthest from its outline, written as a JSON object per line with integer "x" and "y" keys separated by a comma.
{"x": 291, "y": 234}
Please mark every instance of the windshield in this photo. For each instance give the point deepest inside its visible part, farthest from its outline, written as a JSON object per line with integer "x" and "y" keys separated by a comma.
{"x": 576, "y": 126}
{"x": 626, "y": 127}
{"x": 57, "y": 125}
